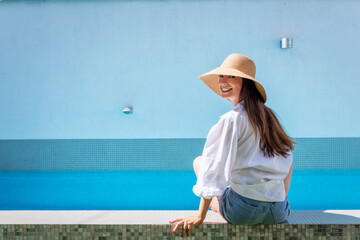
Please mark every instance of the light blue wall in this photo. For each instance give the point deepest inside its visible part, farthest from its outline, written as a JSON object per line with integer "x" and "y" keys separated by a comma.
{"x": 68, "y": 68}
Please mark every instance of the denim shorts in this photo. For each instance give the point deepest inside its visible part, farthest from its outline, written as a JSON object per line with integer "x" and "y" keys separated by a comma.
{"x": 236, "y": 209}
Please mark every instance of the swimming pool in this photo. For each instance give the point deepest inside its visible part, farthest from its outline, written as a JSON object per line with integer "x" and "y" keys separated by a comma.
{"x": 157, "y": 190}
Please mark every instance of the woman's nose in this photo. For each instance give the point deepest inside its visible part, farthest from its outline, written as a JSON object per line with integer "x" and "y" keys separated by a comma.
{"x": 222, "y": 80}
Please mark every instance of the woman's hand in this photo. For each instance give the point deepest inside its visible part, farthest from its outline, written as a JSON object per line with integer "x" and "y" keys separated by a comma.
{"x": 188, "y": 223}
{"x": 193, "y": 221}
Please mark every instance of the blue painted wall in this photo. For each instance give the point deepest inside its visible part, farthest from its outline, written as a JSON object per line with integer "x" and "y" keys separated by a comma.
{"x": 68, "y": 68}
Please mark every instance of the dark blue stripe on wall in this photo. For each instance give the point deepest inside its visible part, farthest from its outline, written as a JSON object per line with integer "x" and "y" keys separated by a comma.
{"x": 155, "y": 154}
{"x": 99, "y": 154}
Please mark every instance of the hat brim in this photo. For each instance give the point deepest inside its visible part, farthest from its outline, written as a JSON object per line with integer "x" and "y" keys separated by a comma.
{"x": 211, "y": 79}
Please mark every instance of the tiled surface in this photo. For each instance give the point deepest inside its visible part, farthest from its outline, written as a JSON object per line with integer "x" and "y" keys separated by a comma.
{"x": 151, "y": 154}
{"x": 99, "y": 154}
{"x": 325, "y": 217}
{"x": 205, "y": 231}
{"x": 331, "y": 224}
{"x": 161, "y": 217}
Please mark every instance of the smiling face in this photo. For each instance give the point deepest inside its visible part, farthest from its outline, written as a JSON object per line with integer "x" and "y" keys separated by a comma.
{"x": 230, "y": 87}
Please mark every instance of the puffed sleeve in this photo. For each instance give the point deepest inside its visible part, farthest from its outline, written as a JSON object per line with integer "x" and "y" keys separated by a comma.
{"x": 218, "y": 154}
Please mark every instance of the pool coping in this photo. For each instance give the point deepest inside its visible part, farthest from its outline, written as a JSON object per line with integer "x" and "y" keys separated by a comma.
{"x": 144, "y": 217}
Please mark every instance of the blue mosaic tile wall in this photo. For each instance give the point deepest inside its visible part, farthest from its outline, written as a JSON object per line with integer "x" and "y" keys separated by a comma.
{"x": 155, "y": 154}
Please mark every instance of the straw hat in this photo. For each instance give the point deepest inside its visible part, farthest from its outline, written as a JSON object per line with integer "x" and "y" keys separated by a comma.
{"x": 234, "y": 65}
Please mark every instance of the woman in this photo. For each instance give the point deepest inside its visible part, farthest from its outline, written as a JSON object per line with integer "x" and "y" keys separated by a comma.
{"x": 245, "y": 170}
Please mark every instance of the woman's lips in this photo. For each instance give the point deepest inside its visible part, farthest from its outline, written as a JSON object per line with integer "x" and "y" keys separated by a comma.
{"x": 226, "y": 91}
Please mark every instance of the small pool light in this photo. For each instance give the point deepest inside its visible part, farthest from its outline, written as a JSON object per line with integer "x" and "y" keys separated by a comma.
{"x": 128, "y": 110}
{"x": 286, "y": 42}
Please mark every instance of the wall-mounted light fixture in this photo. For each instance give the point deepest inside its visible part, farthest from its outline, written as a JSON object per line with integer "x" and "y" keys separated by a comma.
{"x": 286, "y": 42}
{"x": 128, "y": 110}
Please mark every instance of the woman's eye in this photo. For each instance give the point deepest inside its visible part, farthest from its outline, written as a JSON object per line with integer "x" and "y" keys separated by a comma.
{"x": 232, "y": 76}
{"x": 221, "y": 76}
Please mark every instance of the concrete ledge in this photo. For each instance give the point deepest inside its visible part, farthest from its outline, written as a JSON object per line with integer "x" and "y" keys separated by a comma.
{"x": 161, "y": 217}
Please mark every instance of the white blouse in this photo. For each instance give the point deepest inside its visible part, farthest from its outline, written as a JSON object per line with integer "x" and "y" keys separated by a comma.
{"x": 232, "y": 157}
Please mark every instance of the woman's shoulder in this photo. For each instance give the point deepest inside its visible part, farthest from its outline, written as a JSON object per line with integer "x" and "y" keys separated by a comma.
{"x": 238, "y": 113}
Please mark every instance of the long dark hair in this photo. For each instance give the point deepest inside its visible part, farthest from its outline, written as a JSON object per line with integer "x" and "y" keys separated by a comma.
{"x": 273, "y": 139}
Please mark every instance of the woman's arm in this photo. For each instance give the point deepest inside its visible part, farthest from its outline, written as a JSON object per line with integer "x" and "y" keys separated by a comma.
{"x": 203, "y": 208}
{"x": 191, "y": 221}
{"x": 287, "y": 180}
{"x": 219, "y": 151}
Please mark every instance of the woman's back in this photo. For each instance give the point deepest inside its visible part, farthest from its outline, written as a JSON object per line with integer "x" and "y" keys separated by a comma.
{"x": 242, "y": 162}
